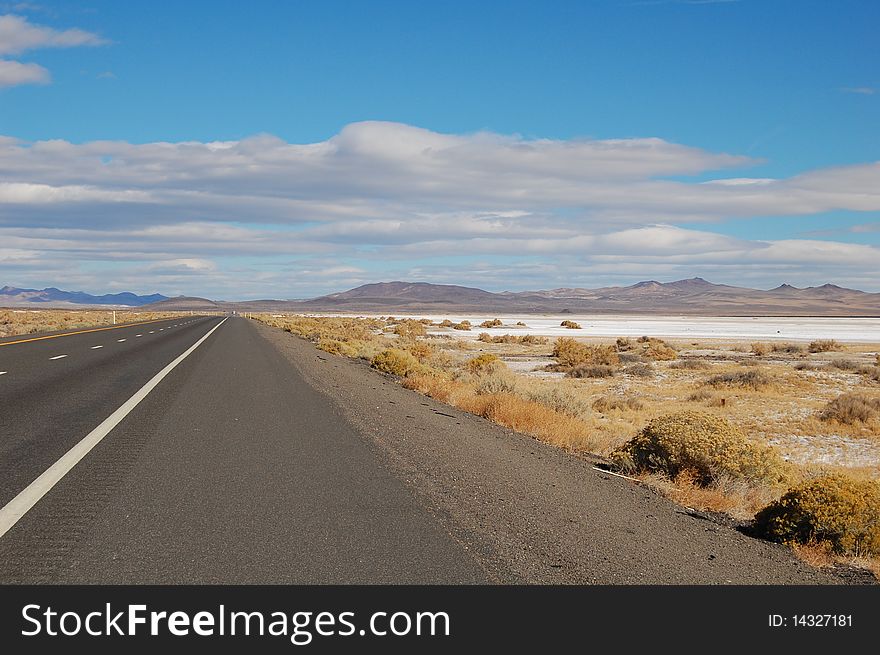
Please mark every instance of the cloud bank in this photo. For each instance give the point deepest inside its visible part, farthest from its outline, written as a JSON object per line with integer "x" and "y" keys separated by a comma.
{"x": 382, "y": 200}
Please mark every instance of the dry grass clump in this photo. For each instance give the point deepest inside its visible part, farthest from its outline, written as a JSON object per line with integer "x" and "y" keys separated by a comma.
{"x": 570, "y": 353}
{"x": 495, "y": 381}
{"x": 397, "y": 362}
{"x": 605, "y": 404}
{"x": 736, "y": 498}
{"x": 754, "y": 379}
{"x": 558, "y": 398}
{"x": 525, "y": 339}
{"x": 421, "y": 350}
{"x": 591, "y": 371}
{"x": 824, "y": 346}
{"x": 446, "y": 323}
{"x": 836, "y": 510}
{"x": 704, "y": 444}
{"x": 852, "y": 408}
{"x": 639, "y": 370}
{"x": 571, "y": 325}
{"x": 495, "y": 322}
{"x": 788, "y": 348}
{"x": 410, "y": 329}
{"x": 760, "y": 349}
{"x": 690, "y": 364}
{"x": 700, "y": 396}
{"x": 647, "y": 347}
{"x": 464, "y": 325}
{"x": 484, "y": 363}
{"x": 843, "y": 365}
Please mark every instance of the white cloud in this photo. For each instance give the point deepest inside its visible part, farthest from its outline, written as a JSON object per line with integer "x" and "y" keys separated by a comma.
{"x": 18, "y": 35}
{"x": 15, "y": 73}
{"x": 370, "y": 201}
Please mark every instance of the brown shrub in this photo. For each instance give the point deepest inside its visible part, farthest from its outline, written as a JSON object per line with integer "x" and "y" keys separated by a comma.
{"x": 495, "y": 322}
{"x": 623, "y": 344}
{"x": 691, "y": 364}
{"x": 836, "y": 510}
{"x": 754, "y": 379}
{"x": 760, "y": 349}
{"x": 591, "y": 371}
{"x": 824, "y": 346}
{"x": 464, "y": 325}
{"x": 702, "y": 443}
{"x": 446, "y": 323}
{"x": 410, "y": 329}
{"x": 605, "y": 404}
{"x": 485, "y": 337}
{"x": 570, "y": 353}
{"x": 421, "y": 350}
{"x": 852, "y": 408}
{"x": 639, "y": 370}
{"x": 484, "y": 362}
{"x": 397, "y": 362}
{"x": 571, "y": 325}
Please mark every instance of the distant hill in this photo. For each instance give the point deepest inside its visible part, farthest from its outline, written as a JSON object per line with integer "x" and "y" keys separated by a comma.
{"x": 52, "y": 297}
{"x": 694, "y": 296}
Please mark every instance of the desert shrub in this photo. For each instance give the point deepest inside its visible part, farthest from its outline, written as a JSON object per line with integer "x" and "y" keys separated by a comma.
{"x": 520, "y": 324}
{"x": 703, "y": 444}
{"x": 639, "y": 370}
{"x": 805, "y": 366}
{"x": 396, "y": 361}
{"x": 571, "y": 325}
{"x": 789, "y": 348}
{"x": 421, "y": 350}
{"x": 754, "y": 379}
{"x": 842, "y": 365}
{"x": 426, "y": 321}
{"x": 494, "y": 381}
{"x": 464, "y": 325}
{"x": 533, "y": 340}
{"x": 824, "y": 346}
{"x": 485, "y": 337}
{"x": 691, "y": 364}
{"x": 591, "y": 371}
{"x": 852, "y": 408}
{"x": 760, "y": 349}
{"x": 833, "y": 510}
{"x": 605, "y": 404}
{"x": 484, "y": 362}
{"x": 700, "y": 396}
{"x": 659, "y": 350}
{"x": 569, "y": 353}
{"x": 631, "y": 358}
{"x": 495, "y": 322}
{"x": 410, "y": 329}
{"x": 623, "y": 344}
{"x": 525, "y": 339}
{"x": 558, "y": 398}
{"x": 446, "y": 323}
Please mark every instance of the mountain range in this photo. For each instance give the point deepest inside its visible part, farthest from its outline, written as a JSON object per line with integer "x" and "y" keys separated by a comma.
{"x": 52, "y": 297}
{"x": 694, "y": 296}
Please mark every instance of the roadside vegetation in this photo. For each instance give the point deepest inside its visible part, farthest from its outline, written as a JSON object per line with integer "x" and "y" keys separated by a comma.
{"x": 31, "y": 321}
{"x": 747, "y": 430}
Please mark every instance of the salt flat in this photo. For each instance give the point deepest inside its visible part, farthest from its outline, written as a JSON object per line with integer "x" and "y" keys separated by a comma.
{"x": 863, "y": 330}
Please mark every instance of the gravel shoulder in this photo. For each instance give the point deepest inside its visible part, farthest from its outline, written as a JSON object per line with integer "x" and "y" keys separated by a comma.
{"x": 529, "y": 512}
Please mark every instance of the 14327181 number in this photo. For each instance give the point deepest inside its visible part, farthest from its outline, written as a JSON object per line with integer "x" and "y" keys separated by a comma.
{"x": 811, "y": 621}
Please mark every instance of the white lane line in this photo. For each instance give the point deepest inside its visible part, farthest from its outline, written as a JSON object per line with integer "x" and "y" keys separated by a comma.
{"x": 12, "y": 512}
{"x": 58, "y": 357}
{"x": 138, "y": 335}
{"x": 96, "y": 347}
{"x": 3, "y": 372}
{"x": 120, "y": 340}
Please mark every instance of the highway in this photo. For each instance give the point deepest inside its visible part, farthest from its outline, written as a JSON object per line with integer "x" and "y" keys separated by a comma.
{"x": 217, "y": 450}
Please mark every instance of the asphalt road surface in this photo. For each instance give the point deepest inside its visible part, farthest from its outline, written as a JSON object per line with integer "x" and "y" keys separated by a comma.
{"x": 251, "y": 457}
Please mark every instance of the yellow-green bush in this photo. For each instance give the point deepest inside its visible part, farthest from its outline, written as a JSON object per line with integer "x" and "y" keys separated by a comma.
{"x": 396, "y": 361}
{"x": 703, "y": 444}
{"x": 410, "y": 329}
{"x": 484, "y": 362}
{"x": 836, "y": 510}
{"x": 570, "y": 353}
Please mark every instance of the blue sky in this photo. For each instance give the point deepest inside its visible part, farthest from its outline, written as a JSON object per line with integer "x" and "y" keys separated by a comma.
{"x": 535, "y": 99}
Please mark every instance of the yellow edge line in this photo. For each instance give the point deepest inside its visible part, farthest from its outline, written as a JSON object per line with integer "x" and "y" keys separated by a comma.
{"x": 70, "y": 334}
